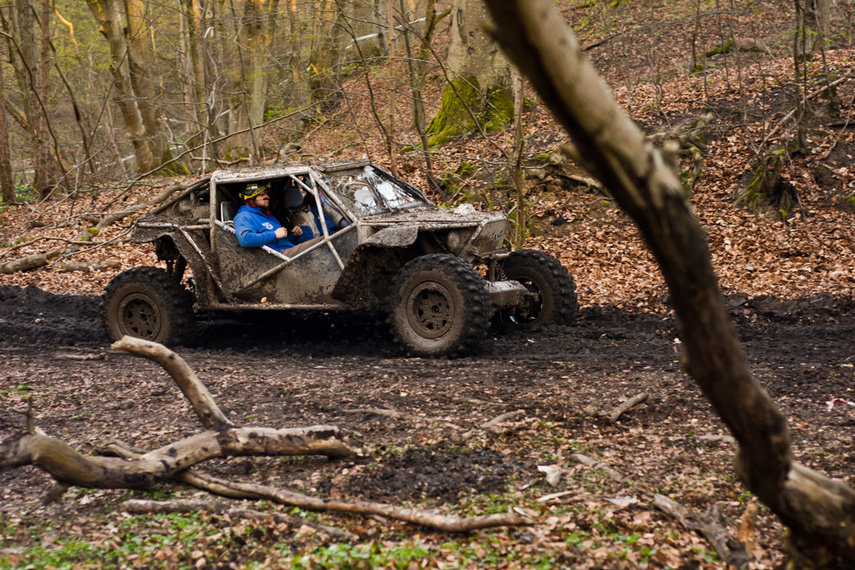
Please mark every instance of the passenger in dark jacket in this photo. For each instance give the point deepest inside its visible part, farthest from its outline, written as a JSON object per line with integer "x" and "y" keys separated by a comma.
{"x": 255, "y": 226}
{"x": 307, "y": 217}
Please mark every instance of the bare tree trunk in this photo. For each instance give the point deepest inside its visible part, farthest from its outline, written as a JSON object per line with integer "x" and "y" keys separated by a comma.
{"x": 393, "y": 151}
{"x": 7, "y": 185}
{"x": 418, "y": 71}
{"x": 192, "y": 14}
{"x": 819, "y": 512}
{"x": 255, "y": 30}
{"x": 516, "y": 168}
{"x": 139, "y": 67}
{"x": 110, "y": 18}
{"x": 813, "y": 18}
{"x": 43, "y": 162}
{"x": 482, "y": 78}
{"x": 31, "y": 85}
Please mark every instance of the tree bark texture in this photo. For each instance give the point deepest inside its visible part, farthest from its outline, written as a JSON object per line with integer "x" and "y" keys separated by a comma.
{"x": 140, "y": 66}
{"x": 820, "y": 512}
{"x": 812, "y": 27}
{"x": 31, "y": 84}
{"x": 197, "y": 88}
{"x": 109, "y": 16}
{"x": 7, "y": 185}
{"x": 480, "y": 78}
{"x": 254, "y": 32}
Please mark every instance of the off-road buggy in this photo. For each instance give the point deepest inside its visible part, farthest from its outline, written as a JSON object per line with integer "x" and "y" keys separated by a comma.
{"x": 439, "y": 274}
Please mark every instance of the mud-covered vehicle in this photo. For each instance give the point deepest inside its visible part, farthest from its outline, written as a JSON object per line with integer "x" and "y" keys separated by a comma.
{"x": 439, "y": 274}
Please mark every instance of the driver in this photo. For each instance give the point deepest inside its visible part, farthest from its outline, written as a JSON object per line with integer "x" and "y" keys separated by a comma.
{"x": 255, "y": 226}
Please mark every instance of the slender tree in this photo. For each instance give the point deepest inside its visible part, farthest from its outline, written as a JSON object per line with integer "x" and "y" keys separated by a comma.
{"x": 253, "y": 35}
{"x": 7, "y": 185}
{"x": 140, "y": 72}
{"x": 31, "y": 83}
{"x": 417, "y": 61}
{"x": 109, "y": 15}
{"x": 812, "y": 21}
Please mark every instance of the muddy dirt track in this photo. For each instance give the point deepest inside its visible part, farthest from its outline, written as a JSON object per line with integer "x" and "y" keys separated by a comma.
{"x": 293, "y": 370}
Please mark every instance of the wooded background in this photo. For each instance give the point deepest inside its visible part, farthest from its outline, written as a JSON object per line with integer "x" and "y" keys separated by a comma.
{"x": 114, "y": 88}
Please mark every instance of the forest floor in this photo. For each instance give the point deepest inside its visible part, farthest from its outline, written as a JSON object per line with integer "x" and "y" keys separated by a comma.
{"x": 304, "y": 370}
{"x": 789, "y": 283}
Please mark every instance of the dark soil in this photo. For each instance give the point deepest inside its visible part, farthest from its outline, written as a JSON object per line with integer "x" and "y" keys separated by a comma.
{"x": 292, "y": 370}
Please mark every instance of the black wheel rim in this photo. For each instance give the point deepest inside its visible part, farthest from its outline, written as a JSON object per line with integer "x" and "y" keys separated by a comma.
{"x": 139, "y": 316}
{"x": 430, "y": 310}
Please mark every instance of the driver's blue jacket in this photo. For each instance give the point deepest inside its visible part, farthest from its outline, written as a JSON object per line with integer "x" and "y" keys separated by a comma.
{"x": 255, "y": 228}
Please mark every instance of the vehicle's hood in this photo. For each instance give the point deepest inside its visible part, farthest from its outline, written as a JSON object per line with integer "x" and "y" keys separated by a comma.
{"x": 435, "y": 218}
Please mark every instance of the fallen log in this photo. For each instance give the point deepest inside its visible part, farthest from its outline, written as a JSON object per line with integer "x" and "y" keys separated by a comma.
{"x": 402, "y": 416}
{"x": 67, "y": 465}
{"x": 625, "y": 406}
{"x": 31, "y": 261}
{"x": 494, "y": 422}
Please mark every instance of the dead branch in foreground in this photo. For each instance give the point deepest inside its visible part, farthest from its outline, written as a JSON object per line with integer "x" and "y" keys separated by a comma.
{"x": 403, "y": 416}
{"x": 494, "y": 422}
{"x": 128, "y": 468}
{"x": 290, "y": 498}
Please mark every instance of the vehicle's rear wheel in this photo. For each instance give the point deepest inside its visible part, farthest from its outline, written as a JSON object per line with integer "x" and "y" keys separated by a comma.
{"x": 552, "y": 297}
{"x": 147, "y": 303}
{"x": 438, "y": 306}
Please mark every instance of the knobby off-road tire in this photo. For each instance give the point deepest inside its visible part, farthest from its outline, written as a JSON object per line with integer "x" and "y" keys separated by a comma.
{"x": 555, "y": 298}
{"x": 438, "y": 306}
{"x": 147, "y": 303}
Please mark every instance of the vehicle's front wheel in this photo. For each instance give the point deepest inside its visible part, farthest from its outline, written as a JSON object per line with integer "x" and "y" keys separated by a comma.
{"x": 552, "y": 293}
{"x": 147, "y": 303}
{"x": 438, "y": 306}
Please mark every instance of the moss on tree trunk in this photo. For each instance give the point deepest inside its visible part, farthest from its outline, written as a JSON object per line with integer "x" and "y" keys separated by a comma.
{"x": 767, "y": 189}
{"x": 461, "y": 100}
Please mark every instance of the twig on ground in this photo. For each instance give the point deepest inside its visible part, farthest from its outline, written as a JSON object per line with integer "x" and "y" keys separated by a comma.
{"x": 494, "y": 422}
{"x": 729, "y": 549}
{"x": 141, "y": 506}
{"x": 66, "y": 356}
{"x": 87, "y": 266}
{"x": 624, "y": 406}
{"x": 585, "y": 460}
